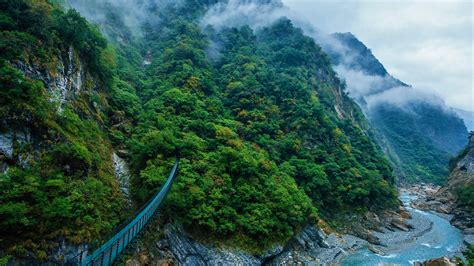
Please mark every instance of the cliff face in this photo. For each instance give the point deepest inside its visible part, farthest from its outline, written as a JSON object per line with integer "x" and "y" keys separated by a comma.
{"x": 58, "y": 182}
{"x": 417, "y": 131}
{"x": 462, "y": 170}
{"x": 63, "y": 85}
{"x": 459, "y": 190}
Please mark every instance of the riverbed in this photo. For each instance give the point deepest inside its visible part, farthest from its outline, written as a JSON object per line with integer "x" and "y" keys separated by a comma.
{"x": 432, "y": 237}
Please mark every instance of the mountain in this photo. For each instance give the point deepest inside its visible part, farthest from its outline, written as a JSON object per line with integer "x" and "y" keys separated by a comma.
{"x": 416, "y": 130}
{"x": 56, "y": 172}
{"x": 456, "y": 197}
{"x": 461, "y": 180}
{"x": 268, "y": 138}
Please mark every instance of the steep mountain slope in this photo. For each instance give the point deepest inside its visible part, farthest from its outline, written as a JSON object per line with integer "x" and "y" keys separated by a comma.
{"x": 460, "y": 185}
{"x": 467, "y": 116}
{"x": 418, "y": 132}
{"x": 56, "y": 174}
{"x": 267, "y": 136}
{"x": 456, "y": 197}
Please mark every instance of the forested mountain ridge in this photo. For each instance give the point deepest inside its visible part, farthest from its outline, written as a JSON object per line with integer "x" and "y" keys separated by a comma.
{"x": 269, "y": 107}
{"x": 267, "y": 136}
{"x": 418, "y": 131}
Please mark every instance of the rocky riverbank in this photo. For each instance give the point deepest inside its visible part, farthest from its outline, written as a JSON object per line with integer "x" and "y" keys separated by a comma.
{"x": 432, "y": 198}
{"x": 381, "y": 233}
{"x": 312, "y": 245}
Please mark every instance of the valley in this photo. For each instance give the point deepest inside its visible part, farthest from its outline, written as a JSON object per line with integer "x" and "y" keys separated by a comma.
{"x": 220, "y": 132}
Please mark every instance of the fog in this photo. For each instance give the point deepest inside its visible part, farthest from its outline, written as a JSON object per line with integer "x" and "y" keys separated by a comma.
{"x": 367, "y": 89}
{"x": 428, "y": 44}
{"x": 133, "y": 13}
{"x": 238, "y": 13}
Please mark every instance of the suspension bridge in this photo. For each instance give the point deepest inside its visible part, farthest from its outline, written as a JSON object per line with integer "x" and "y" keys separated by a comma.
{"x": 110, "y": 250}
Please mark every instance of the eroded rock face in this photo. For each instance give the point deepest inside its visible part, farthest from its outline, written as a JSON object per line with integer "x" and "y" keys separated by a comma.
{"x": 122, "y": 174}
{"x": 11, "y": 141}
{"x": 310, "y": 247}
{"x": 444, "y": 261}
{"x": 462, "y": 173}
{"x": 313, "y": 247}
{"x": 6, "y": 144}
{"x": 64, "y": 83}
{"x": 186, "y": 251}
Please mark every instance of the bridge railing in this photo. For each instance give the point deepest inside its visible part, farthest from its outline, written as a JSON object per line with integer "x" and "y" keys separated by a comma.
{"x": 108, "y": 252}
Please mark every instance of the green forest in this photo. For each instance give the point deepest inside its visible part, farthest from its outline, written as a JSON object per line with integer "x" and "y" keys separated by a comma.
{"x": 411, "y": 137}
{"x": 267, "y": 136}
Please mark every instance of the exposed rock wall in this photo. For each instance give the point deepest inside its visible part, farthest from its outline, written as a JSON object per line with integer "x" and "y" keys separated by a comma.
{"x": 64, "y": 82}
{"x": 462, "y": 172}
{"x": 11, "y": 142}
{"x": 25, "y": 140}
{"x": 122, "y": 174}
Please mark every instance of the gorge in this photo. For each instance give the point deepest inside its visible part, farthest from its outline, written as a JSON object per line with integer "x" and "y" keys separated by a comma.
{"x": 280, "y": 160}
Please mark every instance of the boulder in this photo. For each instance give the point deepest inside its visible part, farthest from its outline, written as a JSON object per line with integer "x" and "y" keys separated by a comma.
{"x": 444, "y": 261}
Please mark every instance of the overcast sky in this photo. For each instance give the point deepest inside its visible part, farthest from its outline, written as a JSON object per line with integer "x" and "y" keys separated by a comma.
{"x": 427, "y": 44}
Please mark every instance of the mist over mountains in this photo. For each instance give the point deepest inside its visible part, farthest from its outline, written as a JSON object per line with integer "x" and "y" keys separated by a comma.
{"x": 467, "y": 116}
{"x": 417, "y": 130}
{"x": 280, "y": 131}
{"x": 392, "y": 106}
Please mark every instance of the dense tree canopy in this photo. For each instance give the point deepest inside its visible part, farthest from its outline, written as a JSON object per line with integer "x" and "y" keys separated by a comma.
{"x": 267, "y": 137}
{"x": 263, "y": 148}
{"x": 59, "y": 183}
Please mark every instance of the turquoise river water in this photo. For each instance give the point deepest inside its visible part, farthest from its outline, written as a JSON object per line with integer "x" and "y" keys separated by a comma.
{"x": 442, "y": 240}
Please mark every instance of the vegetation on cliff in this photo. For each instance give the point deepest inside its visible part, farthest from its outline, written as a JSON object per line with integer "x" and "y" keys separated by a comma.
{"x": 264, "y": 148}
{"x": 418, "y": 132}
{"x": 59, "y": 180}
{"x": 267, "y": 137}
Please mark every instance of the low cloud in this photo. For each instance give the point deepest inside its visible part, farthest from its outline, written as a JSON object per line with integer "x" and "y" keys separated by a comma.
{"x": 133, "y": 13}
{"x": 403, "y": 97}
{"x": 360, "y": 84}
{"x": 238, "y": 13}
{"x": 370, "y": 91}
{"x": 425, "y": 43}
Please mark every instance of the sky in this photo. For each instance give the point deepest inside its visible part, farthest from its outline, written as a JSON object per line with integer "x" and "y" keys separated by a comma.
{"x": 427, "y": 44}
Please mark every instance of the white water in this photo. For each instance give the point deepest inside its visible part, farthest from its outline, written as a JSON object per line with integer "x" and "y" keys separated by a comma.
{"x": 442, "y": 240}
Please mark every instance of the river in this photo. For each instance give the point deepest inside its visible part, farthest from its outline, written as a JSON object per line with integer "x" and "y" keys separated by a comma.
{"x": 442, "y": 239}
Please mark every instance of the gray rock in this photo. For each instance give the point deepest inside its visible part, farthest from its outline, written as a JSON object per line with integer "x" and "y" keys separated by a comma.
{"x": 122, "y": 174}
{"x": 10, "y": 141}
{"x": 6, "y": 144}
{"x": 312, "y": 247}
{"x": 400, "y": 225}
{"x": 376, "y": 250}
{"x": 186, "y": 251}
{"x": 469, "y": 239}
{"x": 271, "y": 253}
{"x": 65, "y": 83}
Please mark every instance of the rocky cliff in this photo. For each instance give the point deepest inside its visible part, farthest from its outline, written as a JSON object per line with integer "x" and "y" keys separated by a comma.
{"x": 58, "y": 182}
{"x": 462, "y": 170}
